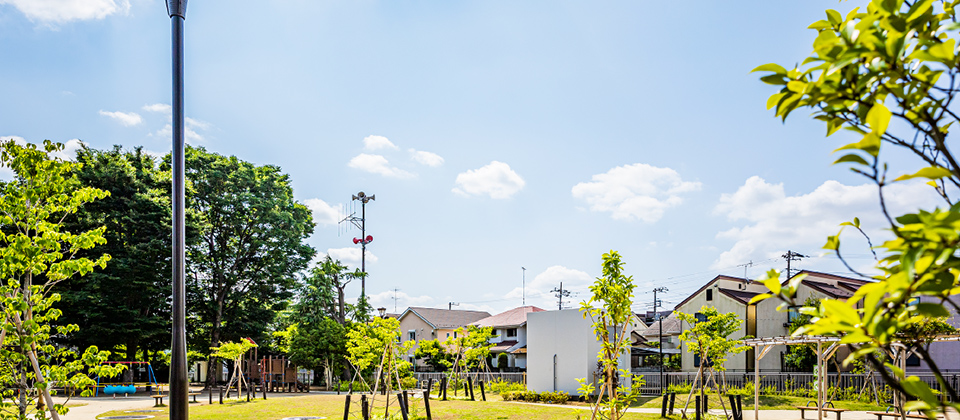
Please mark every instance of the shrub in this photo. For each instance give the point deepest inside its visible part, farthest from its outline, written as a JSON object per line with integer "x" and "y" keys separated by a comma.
{"x": 557, "y": 397}
{"x": 502, "y": 361}
{"x": 357, "y": 386}
{"x": 499, "y": 386}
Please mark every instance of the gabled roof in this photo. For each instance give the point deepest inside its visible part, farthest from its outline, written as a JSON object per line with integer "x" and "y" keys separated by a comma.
{"x": 833, "y": 277}
{"x": 503, "y": 346}
{"x": 671, "y": 326}
{"x": 445, "y": 318}
{"x": 711, "y": 282}
{"x": 829, "y": 289}
{"x": 516, "y": 317}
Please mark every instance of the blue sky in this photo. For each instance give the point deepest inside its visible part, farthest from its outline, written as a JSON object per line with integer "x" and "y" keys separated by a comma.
{"x": 495, "y": 135}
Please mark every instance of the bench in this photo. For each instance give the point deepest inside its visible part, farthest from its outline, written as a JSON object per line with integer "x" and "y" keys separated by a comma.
{"x": 893, "y": 414}
{"x": 158, "y": 398}
{"x": 193, "y": 395}
{"x": 838, "y": 411}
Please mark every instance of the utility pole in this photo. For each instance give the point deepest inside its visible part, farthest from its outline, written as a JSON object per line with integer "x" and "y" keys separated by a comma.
{"x": 792, "y": 256}
{"x": 656, "y": 304}
{"x": 451, "y": 305}
{"x": 364, "y": 239}
{"x": 179, "y": 385}
{"x": 560, "y": 294}
{"x": 395, "y": 290}
{"x": 523, "y": 286}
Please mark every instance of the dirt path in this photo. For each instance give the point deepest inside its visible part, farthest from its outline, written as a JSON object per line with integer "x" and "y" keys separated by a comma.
{"x": 97, "y": 405}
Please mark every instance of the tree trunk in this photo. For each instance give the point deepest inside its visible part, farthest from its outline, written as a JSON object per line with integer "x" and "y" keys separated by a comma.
{"x": 342, "y": 307}
{"x": 212, "y": 373}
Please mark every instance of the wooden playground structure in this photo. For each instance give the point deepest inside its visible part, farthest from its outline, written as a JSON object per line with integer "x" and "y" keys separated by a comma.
{"x": 275, "y": 374}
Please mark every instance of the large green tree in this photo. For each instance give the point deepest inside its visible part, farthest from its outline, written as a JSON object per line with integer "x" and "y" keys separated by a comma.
{"x": 251, "y": 233}
{"x": 126, "y": 304}
{"x": 889, "y": 72}
{"x": 37, "y": 254}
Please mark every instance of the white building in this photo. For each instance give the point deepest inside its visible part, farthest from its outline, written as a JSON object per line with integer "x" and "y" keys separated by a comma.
{"x": 562, "y": 348}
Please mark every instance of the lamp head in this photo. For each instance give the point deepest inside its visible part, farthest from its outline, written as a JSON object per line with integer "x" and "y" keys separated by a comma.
{"x": 177, "y": 8}
{"x": 383, "y": 311}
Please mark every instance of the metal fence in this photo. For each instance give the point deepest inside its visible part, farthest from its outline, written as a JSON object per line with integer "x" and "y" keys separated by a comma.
{"x": 518, "y": 377}
{"x": 783, "y": 383}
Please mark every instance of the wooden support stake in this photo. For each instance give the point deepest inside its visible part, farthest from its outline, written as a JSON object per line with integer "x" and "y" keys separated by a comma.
{"x": 364, "y": 408}
{"x": 483, "y": 395}
{"x": 346, "y": 408}
{"x": 402, "y": 404}
{"x": 470, "y": 386}
{"x": 426, "y": 393}
{"x": 426, "y": 407}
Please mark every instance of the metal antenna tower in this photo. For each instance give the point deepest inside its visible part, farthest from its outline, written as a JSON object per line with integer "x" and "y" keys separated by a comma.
{"x": 792, "y": 256}
{"x": 523, "y": 286}
{"x": 560, "y": 294}
{"x": 395, "y": 290}
{"x": 749, "y": 264}
{"x": 364, "y": 239}
{"x": 451, "y": 305}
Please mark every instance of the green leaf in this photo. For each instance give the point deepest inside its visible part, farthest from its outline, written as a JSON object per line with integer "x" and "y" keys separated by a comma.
{"x": 878, "y": 118}
{"x": 834, "y": 17}
{"x": 918, "y": 9}
{"x": 930, "y": 172}
{"x": 932, "y": 310}
{"x": 774, "y": 67}
{"x": 796, "y": 86}
{"x": 852, "y": 158}
{"x": 773, "y": 284}
{"x": 774, "y": 99}
{"x": 869, "y": 144}
{"x": 760, "y": 297}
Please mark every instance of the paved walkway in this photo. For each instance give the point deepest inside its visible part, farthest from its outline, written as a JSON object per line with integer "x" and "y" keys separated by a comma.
{"x": 97, "y": 405}
{"x": 764, "y": 414}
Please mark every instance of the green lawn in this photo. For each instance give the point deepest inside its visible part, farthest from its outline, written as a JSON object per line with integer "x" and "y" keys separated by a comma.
{"x": 331, "y": 406}
{"x": 766, "y": 403}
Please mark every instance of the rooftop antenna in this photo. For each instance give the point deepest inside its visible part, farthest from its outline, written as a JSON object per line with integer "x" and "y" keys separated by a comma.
{"x": 451, "y": 305}
{"x": 364, "y": 239}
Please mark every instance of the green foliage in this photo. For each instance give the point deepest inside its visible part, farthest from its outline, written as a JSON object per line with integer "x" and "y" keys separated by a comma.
{"x": 711, "y": 338}
{"x": 434, "y": 354}
{"x": 36, "y": 254}
{"x": 888, "y": 74}
{"x": 558, "y": 397}
{"x": 319, "y": 346}
{"x": 123, "y": 306}
{"x": 502, "y": 361}
{"x": 613, "y": 292}
{"x": 250, "y": 246}
{"x": 470, "y": 346}
{"x": 232, "y": 350}
{"x": 378, "y": 341}
{"x": 499, "y": 386}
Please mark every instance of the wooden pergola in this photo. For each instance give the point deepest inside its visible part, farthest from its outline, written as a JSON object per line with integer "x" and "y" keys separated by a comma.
{"x": 762, "y": 346}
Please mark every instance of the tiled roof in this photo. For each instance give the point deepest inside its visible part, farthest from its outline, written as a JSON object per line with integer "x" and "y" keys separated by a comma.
{"x": 671, "y": 326}
{"x": 503, "y": 346}
{"x": 513, "y": 318}
{"x": 448, "y": 318}
{"x": 741, "y": 296}
{"x": 829, "y": 289}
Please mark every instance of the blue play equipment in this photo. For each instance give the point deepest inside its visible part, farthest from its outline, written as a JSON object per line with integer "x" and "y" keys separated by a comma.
{"x": 126, "y": 388}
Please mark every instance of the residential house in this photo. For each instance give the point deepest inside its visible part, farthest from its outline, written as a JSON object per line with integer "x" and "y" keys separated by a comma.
{"x": 732, "y": 294}
{"x": 418, "y": 324}
{"x": 509, "y": 335}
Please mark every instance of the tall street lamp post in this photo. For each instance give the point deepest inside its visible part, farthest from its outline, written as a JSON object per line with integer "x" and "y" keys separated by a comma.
{"x": 177, "y": 10}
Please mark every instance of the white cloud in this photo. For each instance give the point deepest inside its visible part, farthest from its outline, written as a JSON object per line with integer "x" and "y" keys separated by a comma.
{"x": 538, "y": 290}
{"x": 167, "y": 132}
{"x": 377, "y": 164}
{"x": 774, "y": 222}
{"x": 426, "y": 158}
{"x": 127, "y": 119}
{"x": 203, "y": 125}
{"x": 161, "y": 108}
{"x": 59, "y": 11}
{"x": 6, "y": 174}
{"x": 377, "y": 143}
{"x": 637, "y": 191}
{"x": 350, "y": 256}
{"x": 496, "y": 180}
{"x": 324, "y": 213}
{"x": 69, "y": 151}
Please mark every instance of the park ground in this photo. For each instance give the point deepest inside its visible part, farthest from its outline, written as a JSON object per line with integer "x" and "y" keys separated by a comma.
{"x": 331, "y": 406}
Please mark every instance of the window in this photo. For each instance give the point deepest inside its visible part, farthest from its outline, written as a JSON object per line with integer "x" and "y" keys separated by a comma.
{"x": 913, "y": 360}
{"x": 511, "y": 332}
{"x": 701, "y": 317}
{"x": 709, "y": 294}
{"x": 696, "y": 361}
{"x": 454, "y": 334}
{"x": 412, "y": 335}
{"x": 448, "y": 335}
{"x": 793, "y": 313}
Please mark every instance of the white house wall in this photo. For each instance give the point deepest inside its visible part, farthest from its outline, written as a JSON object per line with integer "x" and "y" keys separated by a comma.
{"x": 724, "y": 304}
{"x": 568, "y": 337}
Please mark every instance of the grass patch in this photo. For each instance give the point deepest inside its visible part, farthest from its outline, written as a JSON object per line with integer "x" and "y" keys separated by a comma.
{"x": 331, "y": 406}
